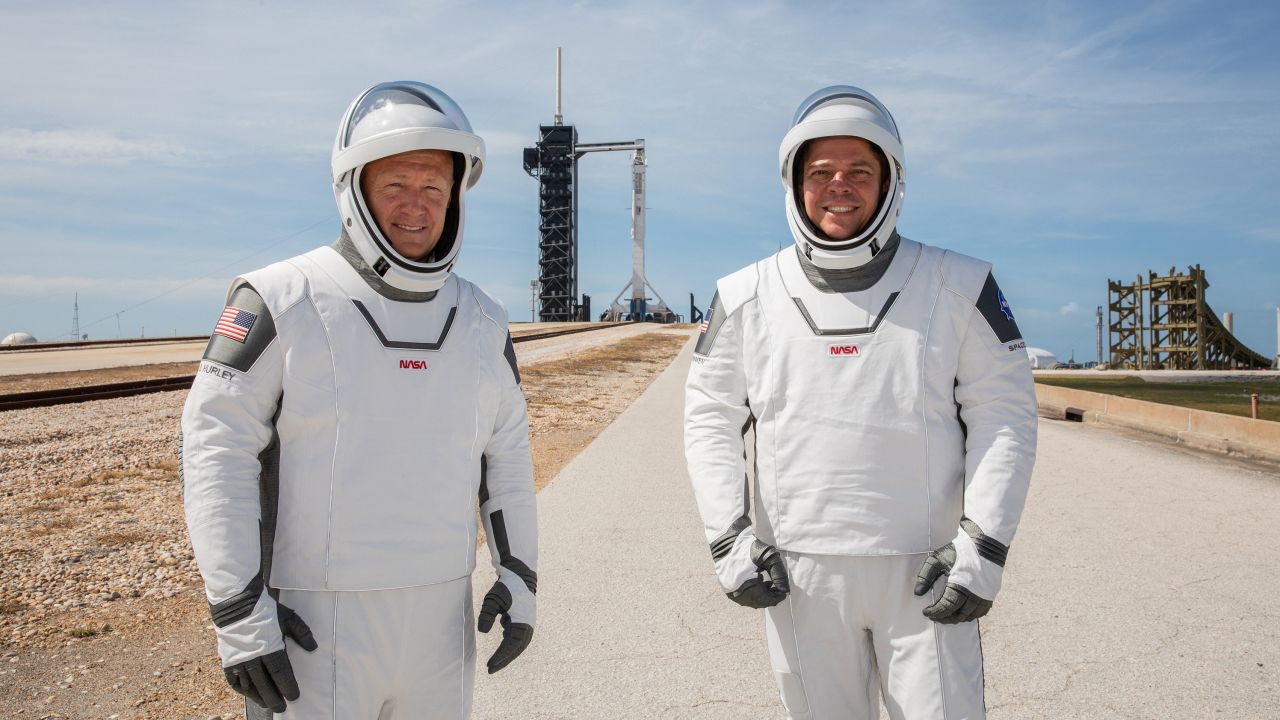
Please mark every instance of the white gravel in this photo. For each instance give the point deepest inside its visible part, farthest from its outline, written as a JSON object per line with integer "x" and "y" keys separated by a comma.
{"x": 91, "y": 509}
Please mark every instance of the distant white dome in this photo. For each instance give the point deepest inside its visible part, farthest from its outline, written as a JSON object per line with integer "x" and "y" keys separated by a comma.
{"x": 1040, "y": 359}
{"x": 18, "y": 338}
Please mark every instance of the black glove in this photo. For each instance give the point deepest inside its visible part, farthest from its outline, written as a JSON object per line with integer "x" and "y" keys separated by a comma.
{"x": 268, "y": 679}
{"x": 515, "y": 635}
{"x": 957, "y": 604}
{"x": 294, "y": 628}
{"x": 770, "y": 585}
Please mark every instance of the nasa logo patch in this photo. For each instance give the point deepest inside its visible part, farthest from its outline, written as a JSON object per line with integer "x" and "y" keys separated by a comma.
{"x": 843, "y": 350}
{"x": 1004, "y": 306}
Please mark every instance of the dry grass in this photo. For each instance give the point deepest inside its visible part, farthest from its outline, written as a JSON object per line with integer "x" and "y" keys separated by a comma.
{"x": 80, "y": 378}
{"x": 10, "y": 607}
{"x": 114, "y": 505}
{"x": 1221, "y": 396}
{"x": 83, "y": 631}
{"x": 112, "y": 474}
{"x": 167, "y": 464}
{"x": 120, "y": 538}
{"x": 543, "y": 378}
{"x": 49, "y": 526}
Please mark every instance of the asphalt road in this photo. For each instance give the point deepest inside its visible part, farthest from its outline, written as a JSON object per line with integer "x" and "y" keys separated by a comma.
{"x": 1143, "y": 584}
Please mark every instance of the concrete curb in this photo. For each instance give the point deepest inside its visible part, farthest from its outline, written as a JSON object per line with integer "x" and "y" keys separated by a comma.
{"x": 1200, "y": 429}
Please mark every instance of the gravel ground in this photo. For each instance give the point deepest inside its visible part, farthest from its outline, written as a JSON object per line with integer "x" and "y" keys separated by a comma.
{"x": 102, "y": 611}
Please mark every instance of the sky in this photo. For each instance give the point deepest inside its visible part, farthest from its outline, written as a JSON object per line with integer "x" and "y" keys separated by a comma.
{"x": 152, "y": 151}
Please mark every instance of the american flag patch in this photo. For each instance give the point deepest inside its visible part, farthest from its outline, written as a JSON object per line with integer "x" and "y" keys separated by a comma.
{"x": 705, "y": 324}
{"x": 235, "y": 323}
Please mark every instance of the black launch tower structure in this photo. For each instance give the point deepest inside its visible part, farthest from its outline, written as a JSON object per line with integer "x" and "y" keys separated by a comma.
{"x": 554, "y": 162}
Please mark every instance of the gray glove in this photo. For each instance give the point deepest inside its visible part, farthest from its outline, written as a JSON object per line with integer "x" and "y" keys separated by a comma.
{"x": 268, "y": 679}
{"x": 770, "y": 585}
{"x": 957, "y": 604}
{"x": 516, "y": 636}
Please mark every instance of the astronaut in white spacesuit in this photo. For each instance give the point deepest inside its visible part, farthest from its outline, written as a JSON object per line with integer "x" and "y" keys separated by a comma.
{"x": 894, "y": 423}
{"x": 353, "y": 405}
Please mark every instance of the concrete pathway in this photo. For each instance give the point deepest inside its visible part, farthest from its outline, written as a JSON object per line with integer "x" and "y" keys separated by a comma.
{"x": 1144, "y": 584}
{"x": 21, "y": 362}
{"x": 631, "y": 621}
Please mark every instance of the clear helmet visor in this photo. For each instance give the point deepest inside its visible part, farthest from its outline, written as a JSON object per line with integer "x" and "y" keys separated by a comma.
{"x": 853, "y": 99}
{"x": 403, "y": 116}
{"x": 396, "y": 105}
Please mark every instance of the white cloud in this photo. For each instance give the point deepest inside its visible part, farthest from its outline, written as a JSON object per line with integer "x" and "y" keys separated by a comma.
{"x": 142, "y": 288}
{"x": 85, "y": 146}
{"x": 1271, "y": 234}
{"x": 1095, "y": 124}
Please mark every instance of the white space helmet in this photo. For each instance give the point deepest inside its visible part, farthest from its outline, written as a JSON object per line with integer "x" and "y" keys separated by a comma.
{"x": 842, "y": 110}
{"x": 385, "y": 120}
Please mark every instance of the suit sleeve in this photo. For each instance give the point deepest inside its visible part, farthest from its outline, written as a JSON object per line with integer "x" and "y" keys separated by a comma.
{"x": 996, "y": 396}
{"x": 716, "y": 418}
{"x": 227, "y": 429}
{"x": 507, "y": 500}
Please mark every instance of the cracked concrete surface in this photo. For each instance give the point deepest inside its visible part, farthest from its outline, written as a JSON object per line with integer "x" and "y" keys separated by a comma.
{"x": 631, "y": 620}
{"x": 1143, "y": 584}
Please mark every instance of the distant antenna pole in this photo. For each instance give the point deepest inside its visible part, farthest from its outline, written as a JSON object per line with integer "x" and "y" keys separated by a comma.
{"x": 75, "y": 320}
{"x": 559, "y": 116}
{"x": 1098, "y": 322}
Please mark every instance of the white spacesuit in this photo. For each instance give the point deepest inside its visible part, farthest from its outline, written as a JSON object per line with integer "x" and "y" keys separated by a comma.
{"x": 894, "y": 423}
{"x": 352, "y": 408}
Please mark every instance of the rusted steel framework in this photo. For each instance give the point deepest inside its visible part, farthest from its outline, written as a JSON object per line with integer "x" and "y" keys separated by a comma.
{"x": 1124, "y": 312}
{"x": 1164, "y": 323}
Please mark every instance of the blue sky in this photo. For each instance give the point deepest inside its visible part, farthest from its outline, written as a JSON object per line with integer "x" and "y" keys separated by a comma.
{"x": 152, "y": 151}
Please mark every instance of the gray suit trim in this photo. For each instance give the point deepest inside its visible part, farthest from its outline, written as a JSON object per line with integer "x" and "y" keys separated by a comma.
{"x": 853, "y": 279}
{"x": 242, "y": 355}
{"x": 347, "y": 249}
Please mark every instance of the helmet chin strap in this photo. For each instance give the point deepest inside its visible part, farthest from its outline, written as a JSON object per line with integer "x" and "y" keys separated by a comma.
{"x": 874, "y": 244}
{"x": 842, "y": 260}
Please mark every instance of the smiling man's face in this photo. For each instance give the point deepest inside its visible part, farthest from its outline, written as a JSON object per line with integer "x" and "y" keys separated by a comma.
{"x": 842, "y": 184}
{"x": 408, "y": 195}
